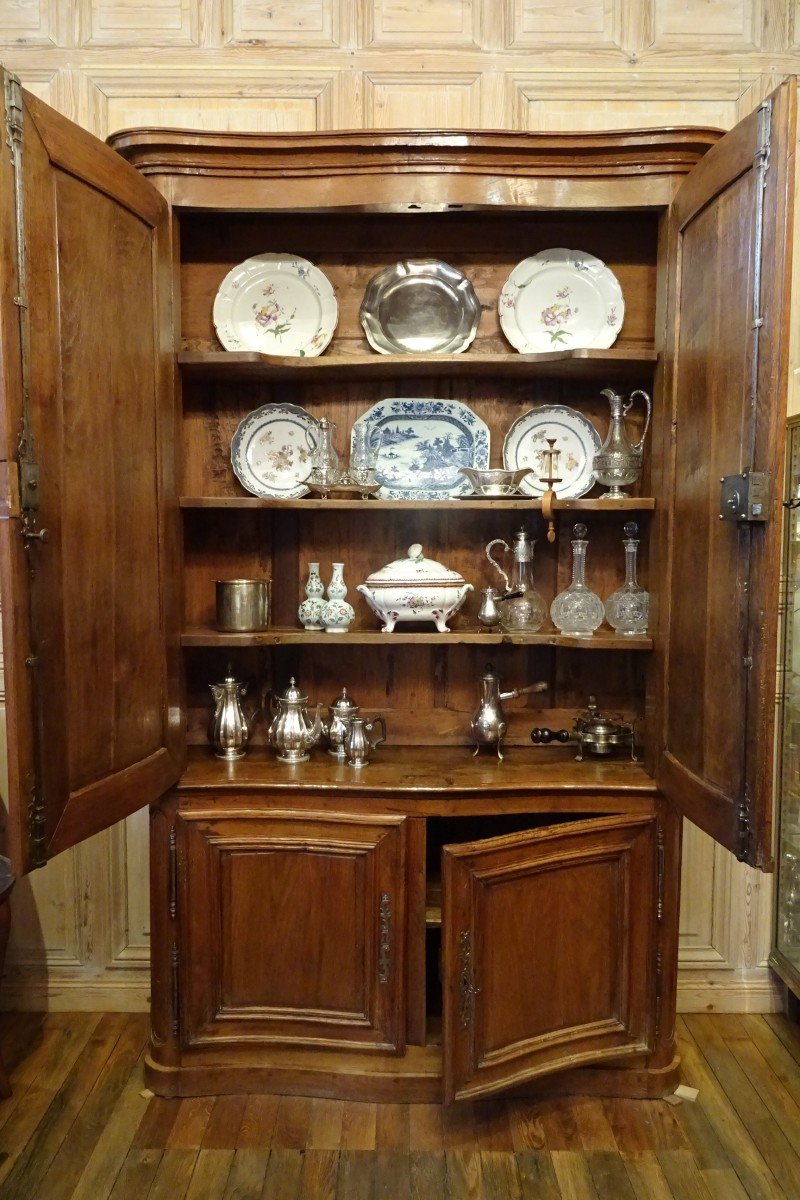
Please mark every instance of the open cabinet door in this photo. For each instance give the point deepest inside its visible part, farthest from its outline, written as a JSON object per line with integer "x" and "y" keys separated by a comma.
{"x": 729, "y": 361}
{"x": 579, "y": 986}
{"x": 87, "y": 426}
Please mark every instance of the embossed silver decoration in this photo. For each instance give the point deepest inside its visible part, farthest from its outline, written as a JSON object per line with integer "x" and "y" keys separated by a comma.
{"x": 420, "y": 306}
{"x": 619, "y": 461}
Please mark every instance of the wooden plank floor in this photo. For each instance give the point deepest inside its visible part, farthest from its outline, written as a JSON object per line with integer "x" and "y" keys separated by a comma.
{"x": 78, "y": 1128}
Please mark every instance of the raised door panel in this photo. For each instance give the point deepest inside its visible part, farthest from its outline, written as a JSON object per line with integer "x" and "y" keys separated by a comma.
{"x": 728, "y": 363}
{"x": 547, "y": 940}
{"x": 87, "y": 448}
{"x": 292, "y": 930}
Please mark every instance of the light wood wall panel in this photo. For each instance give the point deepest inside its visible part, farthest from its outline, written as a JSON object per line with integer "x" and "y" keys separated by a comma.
{"x": 81, "y": 926}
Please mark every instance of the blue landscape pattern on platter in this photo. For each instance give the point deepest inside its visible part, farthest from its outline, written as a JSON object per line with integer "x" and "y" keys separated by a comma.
{"x": 421, "y": 446}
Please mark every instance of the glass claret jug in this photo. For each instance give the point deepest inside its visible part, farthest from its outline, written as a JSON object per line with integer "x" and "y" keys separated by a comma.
{"x": 627, "y": 608}
{"x": 522, "y": 609}
{"x": 325, "y": 469}
{"x": 577, "y": 611}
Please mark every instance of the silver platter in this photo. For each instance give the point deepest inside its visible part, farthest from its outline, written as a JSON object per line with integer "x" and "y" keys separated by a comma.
{"x": 420, "y": 307}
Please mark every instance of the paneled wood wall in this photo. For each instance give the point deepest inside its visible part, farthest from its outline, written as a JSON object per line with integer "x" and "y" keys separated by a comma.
{"x": 80, "y": 936}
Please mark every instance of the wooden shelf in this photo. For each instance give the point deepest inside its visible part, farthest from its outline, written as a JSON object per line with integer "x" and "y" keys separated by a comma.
{"x": 518, "y": 504}
{"x": 613, "y": 365}
{"x": 602, "y": 640}
{"x": 435, "y": 780}
{"x": 433, "y": 902}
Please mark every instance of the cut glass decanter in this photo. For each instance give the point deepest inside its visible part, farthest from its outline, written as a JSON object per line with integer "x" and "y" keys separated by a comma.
{"x": 577, "y": 611}
{"x": 627, "y": 608}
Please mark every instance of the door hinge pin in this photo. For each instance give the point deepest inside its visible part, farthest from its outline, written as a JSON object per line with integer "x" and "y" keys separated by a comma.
{"x": 660, "y": 874}
{"x": 37, "y": 827}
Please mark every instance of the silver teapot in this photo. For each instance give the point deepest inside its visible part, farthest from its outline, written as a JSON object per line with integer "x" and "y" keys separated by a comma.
{"x": 340, "y": 711}
{"x": 357, "y": 742}
{"x": 619, "y": 461}
{"x": 229, "y": 730}
{"x": 290, "y": 732}
{"x": 489, "y": 725}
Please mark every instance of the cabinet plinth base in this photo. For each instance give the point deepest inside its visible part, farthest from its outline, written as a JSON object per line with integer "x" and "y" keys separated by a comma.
{"x": 417, "y": 1081}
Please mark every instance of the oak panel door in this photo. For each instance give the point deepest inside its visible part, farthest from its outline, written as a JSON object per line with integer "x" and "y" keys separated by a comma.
{"x": 292, "y": 930}
{"x": 728, "y": 360}
{"x": 87, "y": 453}
{"x": 548, "y": 955}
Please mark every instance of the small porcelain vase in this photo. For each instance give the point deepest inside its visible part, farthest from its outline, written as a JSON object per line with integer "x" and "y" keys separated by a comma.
{"x": 310, "y": 611}
{"x": 337, "y": 615}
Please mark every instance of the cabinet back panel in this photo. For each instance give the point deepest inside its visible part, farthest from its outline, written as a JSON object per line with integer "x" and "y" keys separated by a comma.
{"x": 426, "y": 694}
{"x": 351, "y": 248}
{"x": 213, "y": 411}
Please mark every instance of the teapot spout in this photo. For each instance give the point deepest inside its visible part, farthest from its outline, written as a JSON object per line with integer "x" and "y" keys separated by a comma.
{"x": 315, "y": 732}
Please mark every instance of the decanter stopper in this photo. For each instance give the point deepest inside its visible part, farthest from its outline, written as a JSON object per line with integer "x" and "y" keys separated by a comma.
{"x": 577, "y": 611}
{"x": 627, "y": 608}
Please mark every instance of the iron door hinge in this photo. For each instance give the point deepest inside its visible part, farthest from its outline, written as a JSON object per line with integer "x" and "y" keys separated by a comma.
{"x": 660, "y": 874}
{"x": 173, "y": 873}
{"x": 176, "y": 963}
{"x": 744, "y": 830}
{"x": 385, "y": 938}
{"x": 467, "y": 987}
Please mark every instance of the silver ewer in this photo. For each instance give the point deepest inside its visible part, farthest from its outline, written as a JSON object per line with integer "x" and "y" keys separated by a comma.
{"x": 357, "y": 741}
{"x": 618, "y": 462}
{"x": 228, "y": 730}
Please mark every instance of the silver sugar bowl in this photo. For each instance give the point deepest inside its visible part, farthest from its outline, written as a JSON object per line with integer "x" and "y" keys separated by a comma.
{"x": 340, "y": 712}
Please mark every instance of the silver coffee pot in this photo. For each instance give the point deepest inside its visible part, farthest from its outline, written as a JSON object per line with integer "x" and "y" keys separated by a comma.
{"x": 340, "y": 712}
{"x": 290, "y": 732}
{"x": 229, "y": 730}
{"x": 619, "y": 460}
{"x": 358, "y": 743}
{"x": 489, "y": 725}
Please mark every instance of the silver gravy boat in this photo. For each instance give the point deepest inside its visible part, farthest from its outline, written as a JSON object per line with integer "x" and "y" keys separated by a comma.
{"x": 290, "y": 733}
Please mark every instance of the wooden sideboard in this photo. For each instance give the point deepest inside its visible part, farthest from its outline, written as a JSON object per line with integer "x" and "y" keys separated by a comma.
{"x": 435, "y": 926}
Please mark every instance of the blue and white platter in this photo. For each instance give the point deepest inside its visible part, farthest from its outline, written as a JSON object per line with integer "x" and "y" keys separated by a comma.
{"x": 272, "y": 451}
{"x": 421, "y": 446}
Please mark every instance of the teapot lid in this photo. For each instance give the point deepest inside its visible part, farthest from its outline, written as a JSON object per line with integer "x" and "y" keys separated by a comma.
{"x": 293, "y": 692}
{"x": 343, "y": 703}
{"x": 416, "y": 568}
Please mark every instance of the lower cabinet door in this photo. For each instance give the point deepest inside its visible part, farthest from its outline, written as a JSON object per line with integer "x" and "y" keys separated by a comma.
{"x": 547, "y": 963}
{"x": 292, "y": 930}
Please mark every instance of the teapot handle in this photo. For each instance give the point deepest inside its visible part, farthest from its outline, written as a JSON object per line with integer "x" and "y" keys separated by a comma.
{"x": 495, "y": 563}
{"x": 646, "y": 398}
{"x": 370, "y": 725}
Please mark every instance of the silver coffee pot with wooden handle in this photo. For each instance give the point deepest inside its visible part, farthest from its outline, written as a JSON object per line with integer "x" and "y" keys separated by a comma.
{"x": 489, "y": 725}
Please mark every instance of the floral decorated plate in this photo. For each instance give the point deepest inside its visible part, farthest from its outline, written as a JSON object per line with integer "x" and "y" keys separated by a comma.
{"x": 422, "y": 444}
{"x": 576, "y": 438}
{"x": 276, "y": 304}
{"x": 561, "y": 300}
{"x": 272, "y": 449}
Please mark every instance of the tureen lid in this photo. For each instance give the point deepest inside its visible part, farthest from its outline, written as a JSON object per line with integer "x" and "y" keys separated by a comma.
{"x": 416, "y": 569}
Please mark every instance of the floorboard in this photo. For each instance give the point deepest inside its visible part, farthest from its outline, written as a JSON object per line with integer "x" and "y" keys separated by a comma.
{"x": 81, "y": 1126}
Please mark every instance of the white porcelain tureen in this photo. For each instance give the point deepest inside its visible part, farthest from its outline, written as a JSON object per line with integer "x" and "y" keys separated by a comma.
{"x": 415, "y": 589}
